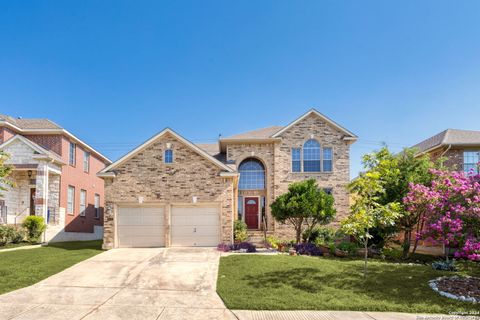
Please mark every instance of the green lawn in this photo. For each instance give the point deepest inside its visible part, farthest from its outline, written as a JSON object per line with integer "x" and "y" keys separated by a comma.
{"x": 22, "y": 268}
{"x": 15, "y": 245}
{"x": 259, "y": 282}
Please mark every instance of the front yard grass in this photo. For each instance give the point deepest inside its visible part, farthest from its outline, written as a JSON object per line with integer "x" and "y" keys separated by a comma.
{"x": 261, "y": 282}
{"x": 22, "y": 268}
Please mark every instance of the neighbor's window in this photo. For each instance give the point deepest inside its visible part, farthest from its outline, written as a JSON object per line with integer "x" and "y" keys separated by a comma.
{"x": 311, "y": 156}
{"x": 252, "y": 175}
{"x": 70, "y": 199}
{"x": 470, "y": 161}
{"x": 296, "y": 161}
{"x": 71, "y": 154}
{"x": 86, "y": 161}
{"x": 168, "y": 156}
{"x": 83, "y": 202}
{"x": 328, "y": 190}
{"x": 97, "y": 206}
{"x": 327, "y": 159}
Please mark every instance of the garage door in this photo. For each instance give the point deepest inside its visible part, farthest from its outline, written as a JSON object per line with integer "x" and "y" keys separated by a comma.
{"x": 140, "y": 227}
{"x": 195, "y": 226}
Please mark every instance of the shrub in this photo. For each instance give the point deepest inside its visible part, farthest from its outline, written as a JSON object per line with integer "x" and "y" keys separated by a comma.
{"x": 272, "y": 242}
{"x": 5, "y": 235}
{"x": 249, "y": 247}
{"x": 444, "y": 265}
{"x": 321, "y": 236}
{"x": 223, "y": 247}
{"x": 18, "y": 235}
{"x": 349, "y": 247}
{"x": 35, "y": 226}
{"x": 307, "y": 248}
{"x": 240, "y": 231}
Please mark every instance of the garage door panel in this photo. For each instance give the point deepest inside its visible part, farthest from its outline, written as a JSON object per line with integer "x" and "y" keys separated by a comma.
{"x": 195, "y": 226}
{"x": 141, "y": 227}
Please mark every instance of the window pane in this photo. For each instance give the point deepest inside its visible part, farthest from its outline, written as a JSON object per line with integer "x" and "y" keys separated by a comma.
{"x": 327, "y": 159}
{"x": 168, "y": 156}
{"x": 252, "y": 175}
{"x": 470, "y": 161}
{"x": 70, "y": 199}
{"x": 97, "y": 206}
{"x": 71, "y": 155}
{"x": 311, "y": 156}
{"x": 240, "y": 208}
{"x": 83, "y": 202}
{"x": 86, "y": 161}
{"x": 296, "y": 165}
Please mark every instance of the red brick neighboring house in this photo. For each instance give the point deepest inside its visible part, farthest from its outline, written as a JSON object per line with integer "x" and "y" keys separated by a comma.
{"x": 55, "y": 177}
{"x": 460, "y": 148}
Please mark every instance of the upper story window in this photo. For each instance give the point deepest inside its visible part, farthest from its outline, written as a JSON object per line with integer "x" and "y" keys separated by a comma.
{"x": 296, "y": 160}
{"x": 86, "y": 161}
{"x": 71, "y": 154}
{"x": 252, "y": 175}
{"x": 327, "y": 159}
{"x": 70, "y": 199}
{"x": 311, "y": 156}
{"x": 471, "y": 161}
{"x": 168, "y": 156}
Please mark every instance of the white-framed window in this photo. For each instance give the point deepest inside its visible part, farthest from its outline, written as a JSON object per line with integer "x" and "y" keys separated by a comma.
{"x": 311, "y": 156}
{"x": 71, "y": 154}
{"x": 240, "y": 208}
{"x": 296, "y": 160}
{"x": 168, "y": 156}
{"x": 471, "y": 161}
{"x": 71, "y": 200}
{"x": 327, "y": 160}
{"x": 86, "y": 161}
{"x": 97, "y": 206}
{"x": 83, "y": 202}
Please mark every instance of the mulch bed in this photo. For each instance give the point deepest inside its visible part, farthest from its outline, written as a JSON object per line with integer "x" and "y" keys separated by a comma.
{"x": 460, "y": 287}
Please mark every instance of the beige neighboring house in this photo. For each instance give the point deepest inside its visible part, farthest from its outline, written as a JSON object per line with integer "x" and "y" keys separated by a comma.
{"x": 171, "y": 192}
{"x": 459, "y": 148}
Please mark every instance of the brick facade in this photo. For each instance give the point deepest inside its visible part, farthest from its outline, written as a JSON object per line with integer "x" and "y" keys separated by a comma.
{"x": 146, "y": 175}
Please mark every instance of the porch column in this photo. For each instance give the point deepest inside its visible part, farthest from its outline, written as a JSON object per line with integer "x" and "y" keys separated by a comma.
{"x": 41, "y": 193}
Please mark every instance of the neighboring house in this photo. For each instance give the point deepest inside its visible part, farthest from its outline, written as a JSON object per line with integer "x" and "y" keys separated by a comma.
{"x": 460, "y": 148}
{"x": 171, "y": 192}
{"x": 54, "y": 176}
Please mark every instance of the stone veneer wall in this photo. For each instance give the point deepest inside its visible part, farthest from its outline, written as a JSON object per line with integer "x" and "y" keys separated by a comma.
{"x": 327, "y": 136}
{"x": 146, "y": 175}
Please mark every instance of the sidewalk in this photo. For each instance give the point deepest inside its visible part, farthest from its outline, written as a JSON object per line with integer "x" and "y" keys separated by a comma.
{"x": 332, "y": 315}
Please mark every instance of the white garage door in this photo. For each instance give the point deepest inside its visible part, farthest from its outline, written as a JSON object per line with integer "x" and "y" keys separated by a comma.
{"x": 140, "y": 227}
{"x": 195, "y": 226}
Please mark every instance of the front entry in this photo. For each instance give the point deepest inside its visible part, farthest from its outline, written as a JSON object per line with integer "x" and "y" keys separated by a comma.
{"x": 32, "y": 201}
{"x": 251, "y": 212}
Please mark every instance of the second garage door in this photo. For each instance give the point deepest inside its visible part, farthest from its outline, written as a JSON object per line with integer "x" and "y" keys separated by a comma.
{"x": 195, "y": 226}
{"x": 140, "y": 227}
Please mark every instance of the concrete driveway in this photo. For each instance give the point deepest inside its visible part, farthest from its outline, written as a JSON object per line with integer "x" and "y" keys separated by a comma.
{"x": 173, "y": 283}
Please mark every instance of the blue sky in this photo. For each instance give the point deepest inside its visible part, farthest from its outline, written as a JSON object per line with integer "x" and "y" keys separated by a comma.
{"x": 116, "y": 72}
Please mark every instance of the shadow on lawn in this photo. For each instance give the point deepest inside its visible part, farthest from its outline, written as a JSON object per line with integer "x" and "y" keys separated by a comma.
{"x": 77, "y": 245}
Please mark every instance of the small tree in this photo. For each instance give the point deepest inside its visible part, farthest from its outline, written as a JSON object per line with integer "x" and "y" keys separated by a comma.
{"x": 35, "y": 226}
{"x": 305, "y": 206}
{"x": 5, "y": 171}
{"x": 367, "y": 211}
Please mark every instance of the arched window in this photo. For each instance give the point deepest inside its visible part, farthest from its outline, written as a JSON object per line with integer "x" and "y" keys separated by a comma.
{"x": 311, "y": 156}
{"x": 252, "y": 175}
{"x": 168, "y": 158}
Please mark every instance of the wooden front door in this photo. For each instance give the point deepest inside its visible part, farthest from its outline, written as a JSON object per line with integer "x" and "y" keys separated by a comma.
{"x": 251, "y": 213}
{"x": 32, "y": 201}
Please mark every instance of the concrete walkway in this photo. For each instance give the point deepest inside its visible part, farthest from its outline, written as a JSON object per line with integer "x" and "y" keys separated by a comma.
{"x": 126, "y": 284}
{"x": 331, "y": 315}
{"x": 33, "y": 246}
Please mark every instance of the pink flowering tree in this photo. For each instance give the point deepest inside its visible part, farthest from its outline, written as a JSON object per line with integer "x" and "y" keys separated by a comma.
{"x": 449, "y": 211}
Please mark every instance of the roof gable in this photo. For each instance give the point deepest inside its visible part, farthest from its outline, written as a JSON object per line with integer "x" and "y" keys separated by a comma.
{"x": 348, "y": 134}
{"x": 107, "y": 171}
{"x": 32, "y": 145}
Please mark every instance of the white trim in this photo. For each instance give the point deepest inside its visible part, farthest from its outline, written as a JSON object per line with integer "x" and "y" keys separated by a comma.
{"x": 42, "y": 152}
{"x": 55, "y": 131}
{"x": 323, "y": 117}
{"x": 154, "y": 138}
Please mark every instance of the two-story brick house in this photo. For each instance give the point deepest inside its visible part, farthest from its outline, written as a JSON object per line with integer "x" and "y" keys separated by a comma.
{"x": 171, "y": 192}
{"x": 54, "y": 176}
{"x": 459, "y": 148}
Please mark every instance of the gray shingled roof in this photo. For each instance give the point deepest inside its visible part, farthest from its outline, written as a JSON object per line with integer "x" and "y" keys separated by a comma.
{"x": 448, "y": 137}
{"x": 263, "y": 133}
{"x": 30, "y": 123}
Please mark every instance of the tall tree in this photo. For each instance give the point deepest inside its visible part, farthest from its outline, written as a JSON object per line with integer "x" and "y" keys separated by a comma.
{"x": 5, "y": 171}
{"x": 305, "y": 206}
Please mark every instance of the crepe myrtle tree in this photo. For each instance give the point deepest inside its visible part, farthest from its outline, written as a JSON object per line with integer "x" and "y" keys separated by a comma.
{"x": 305, "y": 206}
{"x": 367, "y": 211}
